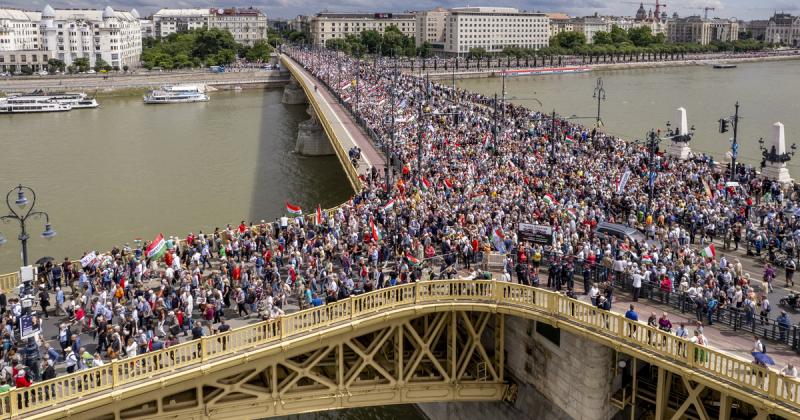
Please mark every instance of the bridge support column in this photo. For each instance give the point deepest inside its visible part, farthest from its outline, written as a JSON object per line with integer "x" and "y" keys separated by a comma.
{"x": 311, "y": 138}
{"x": 293, "y": 94}
{"x": 679, "y": 148}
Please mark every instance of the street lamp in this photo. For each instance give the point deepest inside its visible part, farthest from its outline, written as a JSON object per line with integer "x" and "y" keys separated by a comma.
{"x": 22, "y": 216}
{"x": 771, "y": 155}
{"x": 652, "y": 142}
{"x": 600, "y": 95}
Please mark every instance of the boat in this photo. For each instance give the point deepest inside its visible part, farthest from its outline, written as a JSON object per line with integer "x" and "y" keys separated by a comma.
{"x": 78, "y": 100}
{"x": 176, "y": 94}
{"x": 29, "y": 104}
{"x": 545, "y": 70}
{"x": 724, "y": 66}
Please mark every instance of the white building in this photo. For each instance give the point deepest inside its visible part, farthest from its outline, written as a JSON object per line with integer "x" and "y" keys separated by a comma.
{"x": 494, "y": 28}
{"x": 325, "y": 26}
{"x": 19, "y": 30}
{"x": 432, "y": 27}
{"x": 147, "y": 28}
{"x": 589, "y": 26}
{"x": 113, "y": 36}
{"x": 559, "y": 22}
{"x": 784, "y": 29}
{"x": 246, "y": 25}
{"x": 170, "y": 21}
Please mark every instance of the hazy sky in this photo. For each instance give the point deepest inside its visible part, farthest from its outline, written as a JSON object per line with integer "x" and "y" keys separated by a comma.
{"x": 742, "y": 9}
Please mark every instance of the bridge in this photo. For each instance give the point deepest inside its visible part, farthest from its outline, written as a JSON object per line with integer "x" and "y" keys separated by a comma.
{"x": 432, "y": 341}
{"x": 485, "y": 345}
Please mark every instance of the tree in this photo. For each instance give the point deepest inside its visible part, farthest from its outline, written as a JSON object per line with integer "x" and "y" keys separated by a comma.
{"x": 568, "y": 40}
{"x": 602, "y": 38}
{"x": 100, "y": 65}
{"x": 641, "y": 36}
{"x": 260, "y": 51}
{"x": 54, "y": 65}
{"x": 425, "y": 50}
{"x": 372, "y": 40}
{"x": 477, "y": 52}
{"x": 26, "y": 70}
{"x": 618, "y": 35}
{"x": 81, "y": 64}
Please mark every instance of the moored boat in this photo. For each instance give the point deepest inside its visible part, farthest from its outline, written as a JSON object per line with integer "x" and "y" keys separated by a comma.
{"x": 176, "y": 94}
{"x": 31, "y": 104}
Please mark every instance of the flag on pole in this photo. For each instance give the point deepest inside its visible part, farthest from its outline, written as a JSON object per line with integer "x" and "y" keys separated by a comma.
{"x": 376, "y": 234}
{"x": 709, "y": 251}
{"x": 448, "y": 183}
{"x": 292, "y": 209}
{"x": 156, "y": 248}
{"x": 498, "y": 239}
{"x": 318, "y": 216}
{"x": 572, "y": 214}
{"x": 388, "y": 206}
{"x": 549, "y": 199}
{"x": 623, "y": 182}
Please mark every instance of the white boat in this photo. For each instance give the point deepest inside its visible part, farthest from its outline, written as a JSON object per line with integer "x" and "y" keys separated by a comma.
{"x": 176, "y": 94}
{"x": 78, "y": 100}
{"x": 27, "y": 104}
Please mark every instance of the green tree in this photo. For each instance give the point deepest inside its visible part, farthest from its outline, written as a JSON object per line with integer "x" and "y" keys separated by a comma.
{"x": 260, "y": 51}
{"x": 641, "y": 36}
{"x": 618, "y": 35}
{"x": 54, "y": 65}
{"x": 26, "y": 70}
{"x": 372, "y": 40}
{"x": 477, "y": 52}
{"x": 602, "y": 38}
{"x": 81, "y": 64}
{"x": 425, "y": 50}
{"x": 568, "y": 40}
{"x": 100, "y": 65}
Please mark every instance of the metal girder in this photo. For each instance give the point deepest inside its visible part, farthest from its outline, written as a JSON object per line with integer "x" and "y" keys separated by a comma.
{"x": 404, "y": 360}
{"x": 692, "y": 400}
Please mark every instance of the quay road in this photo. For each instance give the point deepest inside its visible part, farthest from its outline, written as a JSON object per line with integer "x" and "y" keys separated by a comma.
{"x": 141, "y": 80}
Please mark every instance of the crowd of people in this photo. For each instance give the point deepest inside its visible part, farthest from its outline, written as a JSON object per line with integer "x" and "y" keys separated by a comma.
{"x": 468, "y": 170}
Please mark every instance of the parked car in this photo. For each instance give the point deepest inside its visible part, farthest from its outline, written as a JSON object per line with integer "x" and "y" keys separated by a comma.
{"x": 622, "y": 232}
{"x": 90, "y": 72}
{"x": 42, "y": 73}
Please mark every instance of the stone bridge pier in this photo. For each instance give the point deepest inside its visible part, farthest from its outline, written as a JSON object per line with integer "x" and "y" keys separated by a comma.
{"x": 311, "y": 137}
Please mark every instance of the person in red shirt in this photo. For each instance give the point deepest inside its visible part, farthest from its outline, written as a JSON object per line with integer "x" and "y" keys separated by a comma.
{"x": 21, "y": 381}
{"x": 242, "y": 228}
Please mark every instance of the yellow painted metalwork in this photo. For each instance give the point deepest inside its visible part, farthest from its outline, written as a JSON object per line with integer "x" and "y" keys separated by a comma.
{"x": 350, "y": 171}
{"x": 321, "y": 326}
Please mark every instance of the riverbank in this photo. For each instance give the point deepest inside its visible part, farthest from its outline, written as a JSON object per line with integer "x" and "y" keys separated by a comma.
{"x": 494, "y": 72}
{"x": 126, "y": 84}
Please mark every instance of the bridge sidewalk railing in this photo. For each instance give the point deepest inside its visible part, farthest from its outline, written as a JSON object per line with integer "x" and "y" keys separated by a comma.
{"x": 749, "y": 380}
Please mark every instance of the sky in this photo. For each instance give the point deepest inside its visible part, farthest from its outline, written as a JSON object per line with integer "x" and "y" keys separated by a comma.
{"x": 742, "y": 9}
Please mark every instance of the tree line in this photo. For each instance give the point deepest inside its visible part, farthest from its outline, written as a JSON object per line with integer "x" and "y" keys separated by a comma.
{"x": 392, "y": 42}
{"x": 200, "y": 47}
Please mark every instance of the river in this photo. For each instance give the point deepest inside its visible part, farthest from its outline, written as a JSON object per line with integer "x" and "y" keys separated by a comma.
{"x": 640, "y": 99}
{"x": 128, "y": 170}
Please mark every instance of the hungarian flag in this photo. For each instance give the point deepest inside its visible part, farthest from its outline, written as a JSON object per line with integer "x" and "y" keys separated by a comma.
{"x": 572, "y": 214}
{"x": 412, "y": 259}
{"x": 318, "y": 216}
{"x": 709, "y": 252}
{"x": 426, "y": 185}
{"x": 448, "y": 183}
{"x": 156, "y": 248}
{"x": 569, "y": 139}
{"x": 647, "y": 259}
{"x": 498, "y": 239}
{"x": 549, "y": 199}
{"x": 388, "y": 206}
{"x": 376, "y": 234}
{"x": 292, "y": 209}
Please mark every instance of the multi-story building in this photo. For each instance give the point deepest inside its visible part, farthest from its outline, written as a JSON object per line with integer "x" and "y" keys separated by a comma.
{"x": 147, "y": 27}
{"x": 589, "y": 26}
{"x": 783, "y": 29}
{"x": 757, "y": 29}
{"x": 559, "y": 22}
{"x": 702, "y": 31}
{"x": 301, "y": 24}
{"x": 19, "y": 30}
{"x": 325, "y": 26}
{"x": 246, "y": 25}
{"x": 494, "y": 28}
{"x": 170, "y": 21}
{"x": 113, "y": 36}
{"x": 431, "y": 26}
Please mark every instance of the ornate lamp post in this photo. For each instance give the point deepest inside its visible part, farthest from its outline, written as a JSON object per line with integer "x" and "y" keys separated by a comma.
{"x": 771, "y": 154}
{"x": 600, "y": 95}
{"x": 19, "y": 214}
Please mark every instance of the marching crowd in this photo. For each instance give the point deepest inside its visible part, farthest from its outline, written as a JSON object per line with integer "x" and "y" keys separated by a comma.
{"x": 468, "y": 170}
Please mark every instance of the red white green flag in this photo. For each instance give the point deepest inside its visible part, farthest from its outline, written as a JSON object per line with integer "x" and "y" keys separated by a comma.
{"x": 156, "y": 248}
{"x": 376, "y": 234}
{"x": 426, "y": 185}
{"x": 292, "y": 209}
{"x": 709, "y": 251}
{"x": 388, "y": 206}
{"x": 412, "y": 259}
{"x": 448, "y": 183}
{"x": 318, "y": 216}
{"x": 549, "y": 199}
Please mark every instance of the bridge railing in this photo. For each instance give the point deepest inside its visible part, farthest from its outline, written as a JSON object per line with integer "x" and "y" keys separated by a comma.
{"x": 729, "y": 369}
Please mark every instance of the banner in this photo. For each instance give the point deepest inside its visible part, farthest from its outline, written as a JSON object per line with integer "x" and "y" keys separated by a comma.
{"x": 623, "y": 181}
{"x": 538, "y": 234}
{"x": 88, "y": 259}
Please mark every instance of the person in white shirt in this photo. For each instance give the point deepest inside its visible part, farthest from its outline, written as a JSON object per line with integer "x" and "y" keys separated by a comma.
{"x": 790, "y": 371}
{"x": 636, "y": 282}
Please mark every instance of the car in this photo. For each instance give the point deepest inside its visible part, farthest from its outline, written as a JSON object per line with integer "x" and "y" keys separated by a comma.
{"x": 615, "y": 230}
{"x": 90, "y": 72}
{"x": 4, "y": 74}
{"x": 43, "y": 73}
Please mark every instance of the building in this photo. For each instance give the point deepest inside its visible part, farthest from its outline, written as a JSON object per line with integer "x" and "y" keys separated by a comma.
{"x": 694, "y": 29}
{"x": 113, "y": 36}
{"x": 757, "y": 29}
{"x": 147, "y": 28}
{"x": 279, "y": 25}
{"x": 325, "y": 26}
{"x": 783, "y": 29}
{"x": 559, "y": 22}
{"x": 19, "y": 30}
{"x": 431, "y": 27}
{"x": 246, "y": 25}
{"x": 494, "y": 28}
{"x": 170, "y": 21}
{"x": 589, "y": 26}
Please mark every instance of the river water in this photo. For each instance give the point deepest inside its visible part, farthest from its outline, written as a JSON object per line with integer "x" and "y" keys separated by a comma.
{"x": 641, "y": 99}
{"x": 128, "y": 170}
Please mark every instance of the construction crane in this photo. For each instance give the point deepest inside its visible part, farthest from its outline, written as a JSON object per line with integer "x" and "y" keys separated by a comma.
{"x": 705, "y": 11}
{"x": 657, "y": 4}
